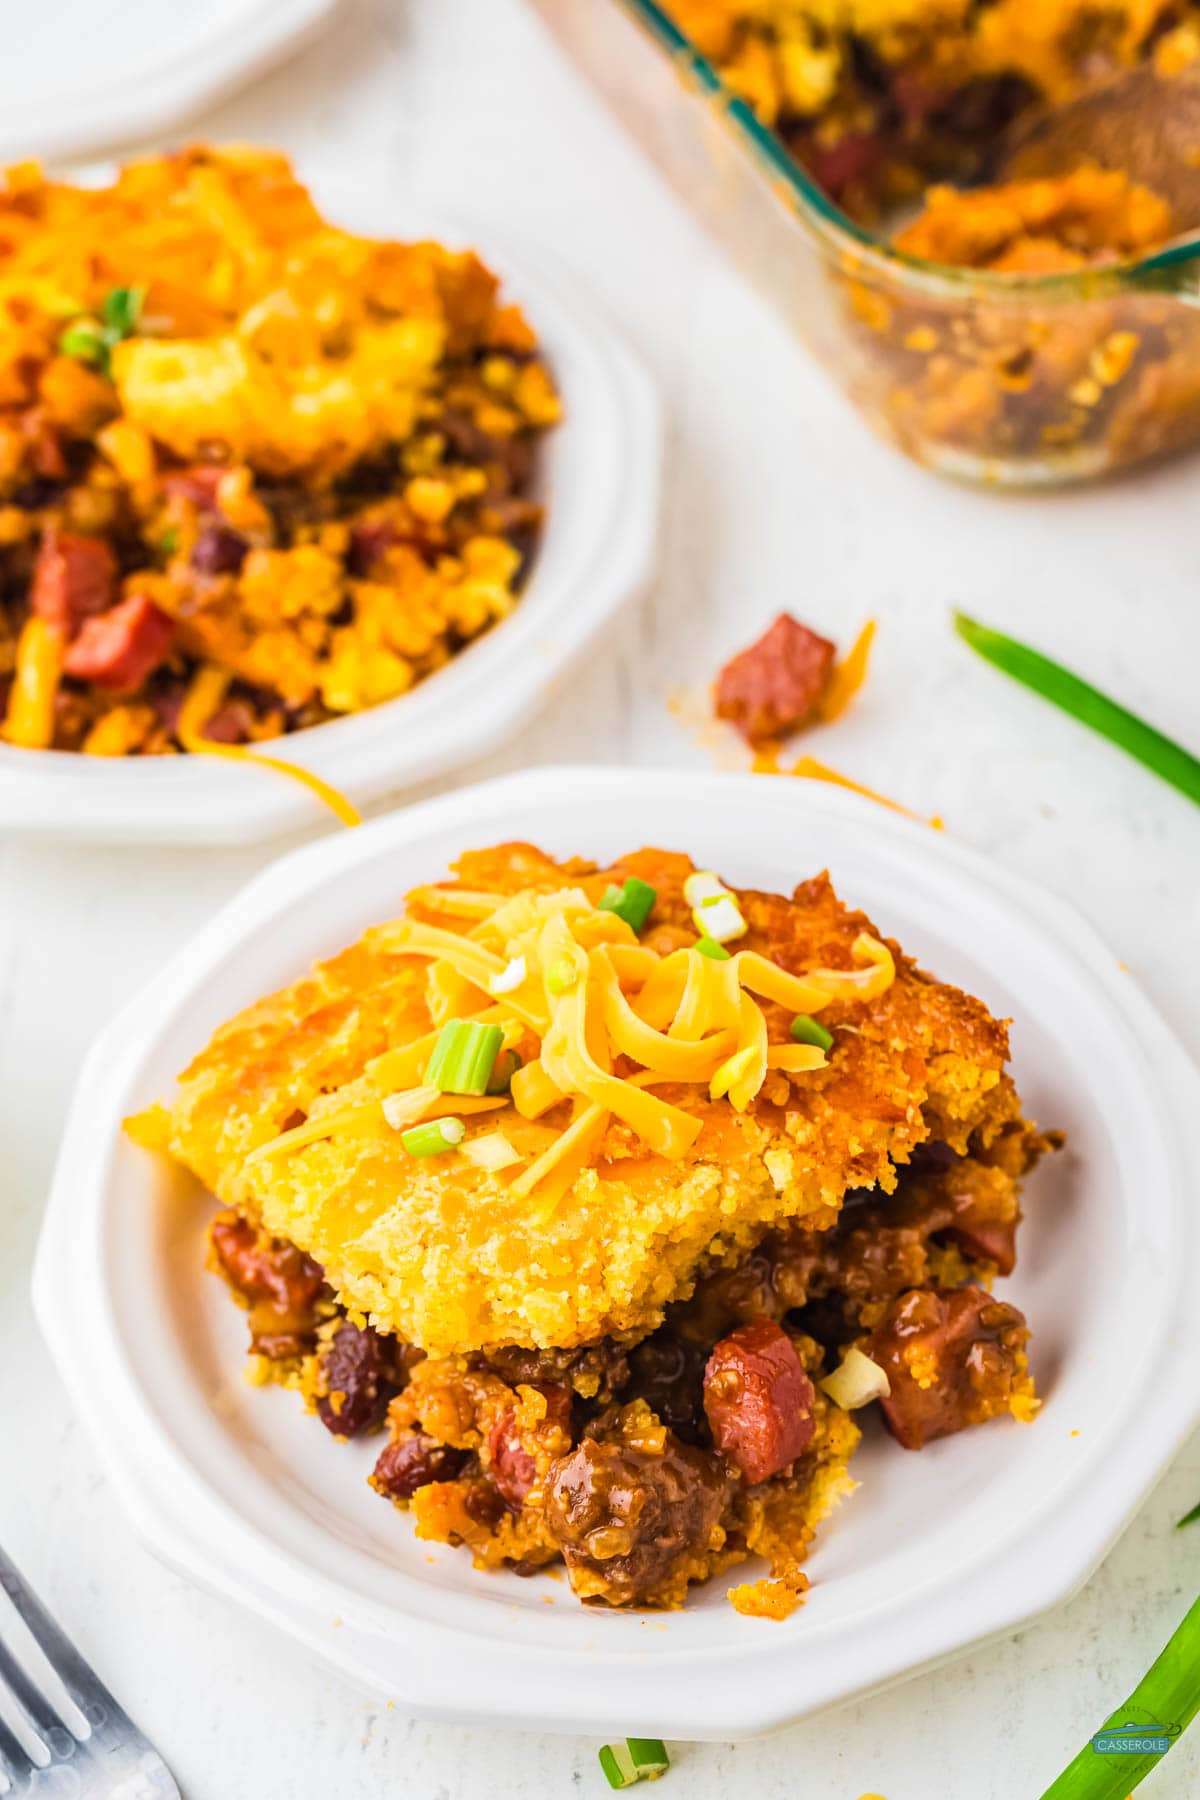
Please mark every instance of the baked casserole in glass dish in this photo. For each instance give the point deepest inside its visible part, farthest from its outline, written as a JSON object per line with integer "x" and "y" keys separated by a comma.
{"x": 1040, "y": 331}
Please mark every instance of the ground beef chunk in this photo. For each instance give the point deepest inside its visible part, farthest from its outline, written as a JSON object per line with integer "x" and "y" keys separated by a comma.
{"x": 953, "y": 1358}
{"x": 774, "y": 686}
{"x": 597, "y": 1372}
{"x": 413, "y": 1462}
{"x": 625, "y": 1519}
{"x": 280, "y": 1285}
{"x": 73, "y": 579}
{"x": 759, "y": 1400}
{"x": 362, "y": 1373}
{"x": 511, "y": 1463}
{"x": 119, "y": 648}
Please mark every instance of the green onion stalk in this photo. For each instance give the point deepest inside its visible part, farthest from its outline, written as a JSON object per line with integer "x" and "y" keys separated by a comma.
{"x": 1167, "y": 759}
{"x": 1166, "y": 1699}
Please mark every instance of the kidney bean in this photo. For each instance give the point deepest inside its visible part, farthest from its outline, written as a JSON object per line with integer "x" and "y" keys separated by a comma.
{"x": 360, "y": 1378}
{"x": 413, "y": 1462}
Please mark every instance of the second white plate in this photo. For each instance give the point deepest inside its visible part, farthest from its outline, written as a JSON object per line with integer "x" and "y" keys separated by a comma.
{"x": 599, "y": 478}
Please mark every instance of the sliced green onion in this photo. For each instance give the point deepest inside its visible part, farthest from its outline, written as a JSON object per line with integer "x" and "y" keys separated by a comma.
{"x": 702, "y": 885}
{"x": 1165, "y": 1701}
{"x": 507, "y": 1064}
{"x": 435, "y": 1138}
{"x": 464, "y": 1056}
{"x": 168, "y": 543}
{"x": 807, "y": 1030}
{"x": 1189, "y": 1518}
{"x": 633, "y": 901}
{"x": 719, "y": 917}
{"x": 121, "y": 311}
{"x": 509, "y": 977}
{"x": 708, "y": 946}
{"x": 562, "y": 976}
{"x": 86, "y": 342}
{"x": 637, "y": 1759}
{"x": 1085, "y": 703}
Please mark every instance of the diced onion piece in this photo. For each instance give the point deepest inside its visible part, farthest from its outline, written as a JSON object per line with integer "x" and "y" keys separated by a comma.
{"x": 406, "y": 1108}
{"x": 720, "y": 919}
{"x": 510, "y": 977}
{"x": 856, "y": 1381}
{"x": 491, "y": 1152}
{"x": 434, "y": 1138}
{"x": 703, "y": 885}
{"x": 464, "y": 1057}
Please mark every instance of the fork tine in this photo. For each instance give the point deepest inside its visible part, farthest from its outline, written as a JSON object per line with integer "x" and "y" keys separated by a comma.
{"x": 13, "y": 1761}
{"x": 77, "y": 1676}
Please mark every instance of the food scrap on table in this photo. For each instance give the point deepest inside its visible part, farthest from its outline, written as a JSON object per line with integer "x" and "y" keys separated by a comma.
{"x": 789, "y": 678}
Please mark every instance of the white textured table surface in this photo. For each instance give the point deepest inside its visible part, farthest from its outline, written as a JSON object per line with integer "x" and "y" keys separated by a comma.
{"x": 775, "y": 497}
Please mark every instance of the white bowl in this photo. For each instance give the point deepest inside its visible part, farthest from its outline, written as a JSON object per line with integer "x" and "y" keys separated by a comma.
{"x": 599, "y": 477}
{"x": 239, "y": 1489}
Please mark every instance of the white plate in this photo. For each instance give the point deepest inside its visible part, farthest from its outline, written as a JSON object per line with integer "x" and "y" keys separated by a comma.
{"x": 240, "y": 1490}
{"x": 599, "y": 477}
{"x": 77, "y": 75}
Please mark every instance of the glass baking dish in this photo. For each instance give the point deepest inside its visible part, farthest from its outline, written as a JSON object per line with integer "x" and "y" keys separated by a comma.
{"x": 1000, "y": 379}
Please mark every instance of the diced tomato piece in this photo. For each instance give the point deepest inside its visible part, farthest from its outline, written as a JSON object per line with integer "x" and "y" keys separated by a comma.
{"x": 121, "y": 647}
{"x": 759, "y": 1400}
{"x": 73, "y": 578}
{"x": 774, "y": 686}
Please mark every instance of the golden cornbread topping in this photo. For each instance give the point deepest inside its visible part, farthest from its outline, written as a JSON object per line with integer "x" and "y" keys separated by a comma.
{"x": 255, "y": 470}
{"x": 612, "y": 1195}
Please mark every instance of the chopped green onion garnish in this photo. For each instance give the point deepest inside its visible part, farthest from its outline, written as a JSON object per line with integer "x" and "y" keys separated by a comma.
{"x": 807, "y": 1030}
{"x": 464, "y": 1056}
{"x": 719, "y": 917}
{"x": 562, "y": 976}
{"x": 709, "y": 947}
{"x": 1085, "y": 703}
{"x": 121, "y": 312}
{"x": 433, "y": 1139}
{"x": 507, "y": 1064}
{"x": 633, "y": 901}
{"x": 168, "y": 543}
{"x": 637, "y": 1759}
{"x": 510, "y": 977}
{"x": 86, "y": 342}
{"x": 1162, "y": 1704}
{"x": 702, "y": 885}
{"x": 1189, "y": 1518}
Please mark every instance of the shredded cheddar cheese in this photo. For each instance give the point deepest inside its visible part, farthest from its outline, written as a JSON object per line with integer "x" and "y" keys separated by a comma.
{"x": 207, "y": 691}
{"x": 610, "y": 1019}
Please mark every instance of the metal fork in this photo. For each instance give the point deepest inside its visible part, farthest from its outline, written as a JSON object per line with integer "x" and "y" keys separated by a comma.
{"x": 108, "y": 1759}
